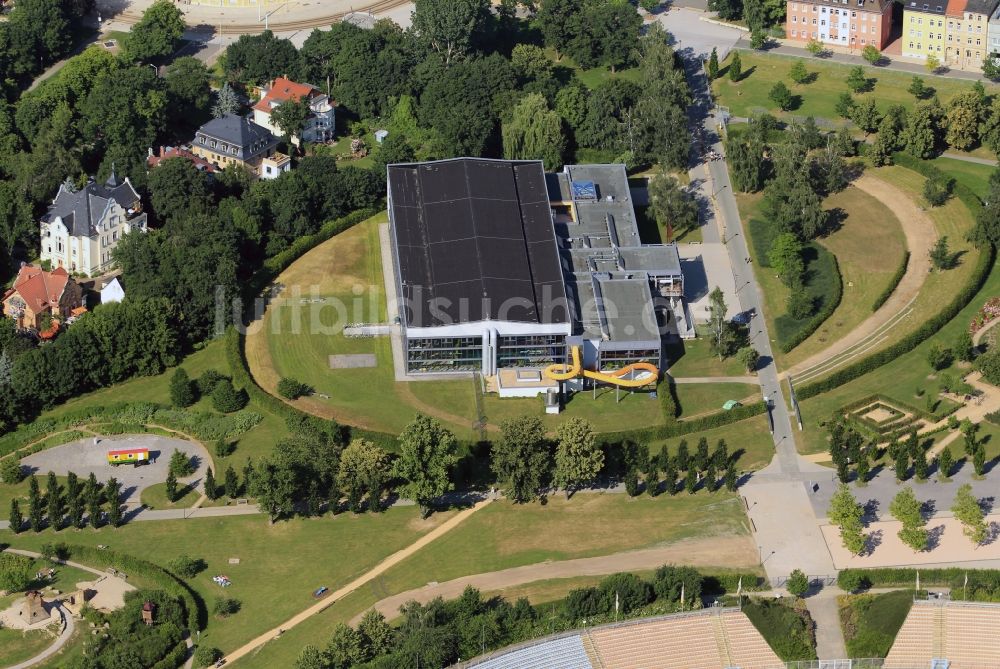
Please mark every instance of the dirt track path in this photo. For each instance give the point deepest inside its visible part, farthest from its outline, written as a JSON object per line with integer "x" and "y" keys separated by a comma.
{"x": 736, "y": 552}
{"x": 918, "y": 228}
{"x": 360, "y": 581}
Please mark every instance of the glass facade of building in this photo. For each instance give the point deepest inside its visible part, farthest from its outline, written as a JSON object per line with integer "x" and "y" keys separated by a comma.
{"x": 530, "y": 350}
{"x": 618, "y": 359}
{"x": 444, "y": 354}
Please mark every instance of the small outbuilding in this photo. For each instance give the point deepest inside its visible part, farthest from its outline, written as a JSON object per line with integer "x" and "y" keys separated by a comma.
{"x": 34, "y": 610}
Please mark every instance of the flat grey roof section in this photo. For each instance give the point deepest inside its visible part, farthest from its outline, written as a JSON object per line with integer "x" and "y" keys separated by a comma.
{"x": 475, "y": 236}
{"x": 626, "y": 311}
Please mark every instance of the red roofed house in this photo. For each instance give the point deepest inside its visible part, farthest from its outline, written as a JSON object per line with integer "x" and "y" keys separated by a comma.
{"x": 320, "y": 126}
{"x": 37, "y": 292}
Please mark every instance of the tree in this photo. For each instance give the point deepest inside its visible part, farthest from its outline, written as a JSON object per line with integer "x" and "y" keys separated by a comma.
{"x": 232, "y": 483}
{"x": 157, "y": 34}
{"x": 941, "y": 256}
{"x": 178, "y": 189}
{"x": 866, "y": 116}
{"x": 604, "y": 34}
{"x": 781, "y": 96}
{"x": 520, "y": 458}
{"x": 180, "y": 464}
{"x": 712, "y": 67}
{"x": 907, "y": 509}
{"x": 962, "y": 120}
{"x": 730, "y": 479}
{"x": 426, "y": 456}
{"x": 257, "y": 59}
{"x": 846, "y": 513}
{"x": 188, "y": 91}
{"x": 74, "y": 504}
{"x": 979, "y": 460}
{"x": 798, "y": 72}
{"x": 932, "y": 64}
{"x": 749, "y": 357}
{"x": 181, "y": 389}
{"x": 691, "y": 480}
{"x": 113, "y": 493}
{"x": 797, "y": 584}
{"x": 735, "y": 69}
{"x": 815, "y": 47}
{"x": 885, "y": 143}
{"x": 919, "y": 135}
{"x": 15, "y": 572}
{"x": 939, "y": 357}
{"x": 448, "y": 26}
{"x": 785, "y": 257}
{"x": 717, "y": 320}
{"x": 223, "y": 607}
{"x": 871, "y": 54}
{"x": 556, "y": 20}
{"x": 171, "y": 487}
{"x": 16, "y": 518}
{"x": 227, "y": 102}
{"x": 211, "y": 488}
{"x": 534, "y": 131}
{"x": 364, "y": 470}
{"x": 92, "y": 495}
{"x": 917, "y": 88}
{"x": 310, "y": 657}
{"x": 273, "y": 487}
{"x": 991, "y": 67}
{"x": 36, "y": 515}
{"x": 53, "y": 498}
{"x": 968, "y": 511}
{"x": 226, "y": 399}
{"x": 863, "y": 469}
{"x": 578, "y": 458}
{"x": 857, "y": 81}
{"x": 291, "y": 117}
{"x": 674, "y": 207}
{"x": 845, "y": 105}
{"x": 920, "y": 464}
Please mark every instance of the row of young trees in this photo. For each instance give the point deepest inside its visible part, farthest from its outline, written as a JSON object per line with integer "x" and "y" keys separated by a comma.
{"x": 848, "y": 515}
{"x": 440, "y": 632}
{"x": 74, "y": 505}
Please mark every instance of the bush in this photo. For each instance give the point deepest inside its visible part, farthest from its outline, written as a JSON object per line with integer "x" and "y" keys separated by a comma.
{"x": 182, "y": 390}
{"x": 186, "y": 566}
{"x": 631, "y": 592}
{"x": 180, "y": 464}
{"x": 10, "y": 470}
{"x": 224, "y": 448}
{"x": 207, "y": 381}
{"x": 226, "y": 606}
{"x": 206, "y": 656}
{"x": 829, "y": 289}
{"x": 939, "y": 357}
{"x": 292, "y": 389}
{"x": 583, "y": 603}
{"x": 852, "y": 580}
{"x": 786, "y": 630}
{"x": 226, "y": 399}
{"x": 798, "y": 583}
{"x": 937, "y": 190}
{"x": 57, "y": 551}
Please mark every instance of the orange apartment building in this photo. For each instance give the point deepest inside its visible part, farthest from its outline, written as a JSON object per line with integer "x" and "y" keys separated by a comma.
{"x": 853, "y": 24}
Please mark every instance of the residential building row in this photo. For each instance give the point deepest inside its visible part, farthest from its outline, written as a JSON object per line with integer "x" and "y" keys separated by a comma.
{"x": 958, "y": 33}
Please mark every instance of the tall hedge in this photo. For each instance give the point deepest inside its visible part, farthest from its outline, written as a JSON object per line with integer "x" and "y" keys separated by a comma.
{"x": 893, "y": 283}
{"x": 984, "y": 584}
{"x": 679, "y": 428}
{"x": 829, "y": 306}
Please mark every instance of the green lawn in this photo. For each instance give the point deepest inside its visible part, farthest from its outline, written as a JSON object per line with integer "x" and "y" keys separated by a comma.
{"x": 280, "y": 565}
{"x": 694, "y": 357}
{"x": 867, "y": 256}
{"x": 871, "y": 622}
{"x": 751, "y": 438}
{"x": 155, "y": 497}
{"x": 972, "y": 175}
{"x": 17, "y": 645}
{"x": 762, "y": 71}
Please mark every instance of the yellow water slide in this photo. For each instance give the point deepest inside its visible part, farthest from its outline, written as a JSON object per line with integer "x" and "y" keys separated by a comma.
{"x": 560, "y": 372}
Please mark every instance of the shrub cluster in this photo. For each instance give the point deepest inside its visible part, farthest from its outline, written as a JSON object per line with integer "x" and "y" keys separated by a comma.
{"x": 830, "y": 303}
{"x": 983, "y": 586}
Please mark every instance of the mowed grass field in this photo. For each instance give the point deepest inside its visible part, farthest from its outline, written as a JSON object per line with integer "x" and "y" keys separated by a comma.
{"x": 818, "y": 98}
{"x": 972, "y": 175}
{"x": 869, "y": 246}
{"x": 504, "y": 535}
{"x": 280, "y": 565}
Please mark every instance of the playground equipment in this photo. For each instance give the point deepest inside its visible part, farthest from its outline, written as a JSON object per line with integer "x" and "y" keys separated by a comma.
{"x": 623, "y": 378}
{"x": 128, "y": 456}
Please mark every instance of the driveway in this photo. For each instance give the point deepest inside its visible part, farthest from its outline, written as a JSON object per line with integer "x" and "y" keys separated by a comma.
{"x": 86, "y": 456}
{"x": 695, "y": 37}
{"x": 707, "y": 266}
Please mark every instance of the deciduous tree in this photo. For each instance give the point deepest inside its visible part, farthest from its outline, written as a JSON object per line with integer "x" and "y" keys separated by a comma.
{"x": 968, "y": 511}
{"x": 673, "y": 206}
{"x": 426, "y": 457}
{"x": 157, "y": 34}
{"x": 534, "y": 131}
{"x": 520, "y": 459}
{"x": 578, "y": 458}
{"x": 448, "y": 26}
{"x": 364, "y": 470}
{"x": 907, "y": 509}
{"x": 785, "y": 256}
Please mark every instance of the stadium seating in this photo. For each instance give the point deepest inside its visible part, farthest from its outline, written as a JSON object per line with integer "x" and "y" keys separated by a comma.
{"x": 562, "y": 653}
{"x": 966, "y": 634}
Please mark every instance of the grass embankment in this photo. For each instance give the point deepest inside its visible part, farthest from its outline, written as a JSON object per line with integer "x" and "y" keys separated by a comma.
{"x": 280, "y": 565}
{"x": 819, "y": 97}
{"x": 871, "y": 622}
{"x": 16, "y": 646}
{"x": 904, "y": 377}
{"x": 787, "y": 628}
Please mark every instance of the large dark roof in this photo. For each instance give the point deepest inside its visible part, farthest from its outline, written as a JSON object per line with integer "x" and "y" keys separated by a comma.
{"x": 477, "y": 233}
{"x": 81, "y": 210}
{"x": 240, "y": 131}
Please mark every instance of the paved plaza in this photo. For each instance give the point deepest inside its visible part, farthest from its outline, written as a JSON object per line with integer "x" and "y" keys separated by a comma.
{"x": 86, "y": 456}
